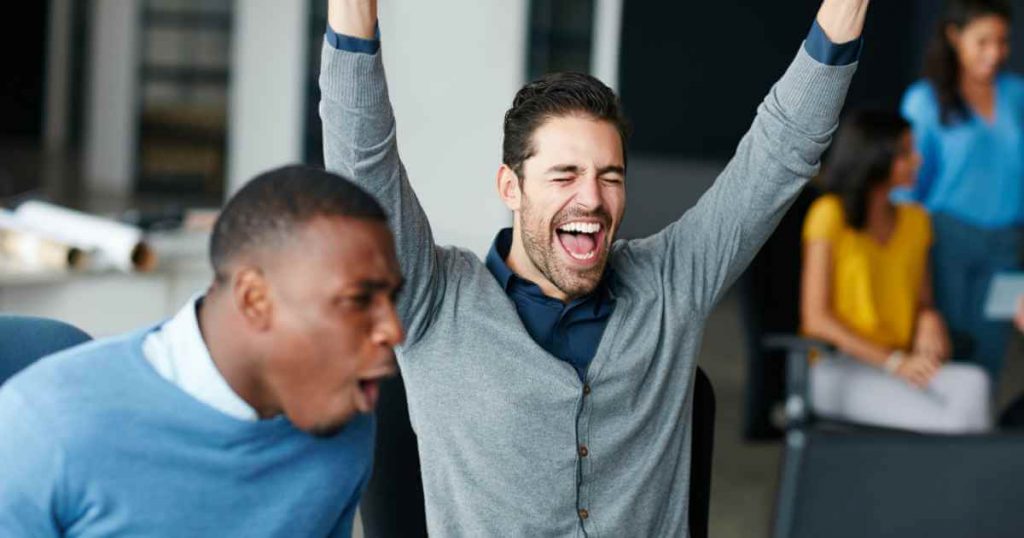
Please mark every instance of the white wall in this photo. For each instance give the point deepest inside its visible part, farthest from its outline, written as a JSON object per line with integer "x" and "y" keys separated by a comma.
{"x": 268, "y": 77}
{"x": 111, "y": 123}
{"x": 453, "y": 68}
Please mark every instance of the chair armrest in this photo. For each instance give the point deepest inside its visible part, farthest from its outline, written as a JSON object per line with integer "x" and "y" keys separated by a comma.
{"x": 798, "y": 349}
{"x": 801, "y": 344}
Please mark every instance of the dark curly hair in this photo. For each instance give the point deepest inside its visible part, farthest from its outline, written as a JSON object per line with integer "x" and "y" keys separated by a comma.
{"x": 554, "y": 95}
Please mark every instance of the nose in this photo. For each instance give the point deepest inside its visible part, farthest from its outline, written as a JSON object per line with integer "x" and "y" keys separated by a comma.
{"x": 589, "y": 193}
{"x": 388, "y": 330}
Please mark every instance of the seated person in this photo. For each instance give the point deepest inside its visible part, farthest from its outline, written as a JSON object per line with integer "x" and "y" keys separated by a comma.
{"x": 866, "y": 289}
{"x": 248, "y": 412}
{"x": 1018, "y": 319}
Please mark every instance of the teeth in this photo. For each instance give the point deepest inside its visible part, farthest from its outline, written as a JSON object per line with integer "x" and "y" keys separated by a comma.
{"x": 586, "y": 256}
{"x": 581, "y": 227}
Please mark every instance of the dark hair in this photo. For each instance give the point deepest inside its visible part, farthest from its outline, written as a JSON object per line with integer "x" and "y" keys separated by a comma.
{"x": 942, "y": 66}
{"x": 273, "y": 204}
{"x": 861, "y": 159}
{"x": 554, "y": 95}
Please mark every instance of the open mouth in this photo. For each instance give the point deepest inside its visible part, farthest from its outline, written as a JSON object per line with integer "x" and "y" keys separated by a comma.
{"x": 582, "y": 240}
{"x": 369, "y": 390}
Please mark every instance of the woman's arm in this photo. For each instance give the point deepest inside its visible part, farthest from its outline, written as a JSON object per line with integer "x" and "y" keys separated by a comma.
{"x": 930, "y": 334}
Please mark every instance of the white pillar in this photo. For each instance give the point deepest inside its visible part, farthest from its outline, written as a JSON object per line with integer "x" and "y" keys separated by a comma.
{"x": 453, "y": 68}
{"x": 269, "y": 73}
{"x": 112, "y": 102}
{"x": 607, "y": 37}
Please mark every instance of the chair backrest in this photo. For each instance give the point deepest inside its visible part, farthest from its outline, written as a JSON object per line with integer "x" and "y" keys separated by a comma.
{"x": 702, "y": 448}
{"x": 24, "y": 339}
{"x": 392, "y": 504}
{"x": 887, "y": 484}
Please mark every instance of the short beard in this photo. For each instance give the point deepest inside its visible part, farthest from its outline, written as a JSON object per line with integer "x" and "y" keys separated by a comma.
{"x": 539, "y": 244}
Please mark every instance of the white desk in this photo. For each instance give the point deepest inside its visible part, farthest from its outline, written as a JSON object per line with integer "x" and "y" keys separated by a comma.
{"x": 109, "y": 302}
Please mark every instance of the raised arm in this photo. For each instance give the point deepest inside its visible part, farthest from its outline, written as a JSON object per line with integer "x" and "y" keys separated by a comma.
{"x": 703, "y": 252}
{"x": 360, "y": 143}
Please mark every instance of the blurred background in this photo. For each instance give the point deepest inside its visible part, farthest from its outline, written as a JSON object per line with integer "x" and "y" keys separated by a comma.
{"x": 151, "y": 111}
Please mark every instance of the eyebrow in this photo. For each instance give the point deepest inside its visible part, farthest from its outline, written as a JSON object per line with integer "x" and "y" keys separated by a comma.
{"x": 574, "y": 169}
{"x": 371, "y": 285}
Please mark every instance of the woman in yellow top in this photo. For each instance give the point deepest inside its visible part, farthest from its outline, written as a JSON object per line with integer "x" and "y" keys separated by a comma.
{"x": 866, "y": 289}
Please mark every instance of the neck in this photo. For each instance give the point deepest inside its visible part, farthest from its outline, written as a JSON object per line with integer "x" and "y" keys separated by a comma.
{"x": 521, "y": 264}
{"x": 880, "y": 208}
{"x": 976, "y": 88}
{"x": 232, "y": 352}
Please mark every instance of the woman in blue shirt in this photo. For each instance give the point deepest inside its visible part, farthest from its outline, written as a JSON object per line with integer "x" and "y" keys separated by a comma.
{"x": 968, "y": 119}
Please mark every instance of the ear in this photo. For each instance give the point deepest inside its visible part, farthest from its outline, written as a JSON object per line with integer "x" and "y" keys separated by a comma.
{"x": 251, "y": 297}
{"x": 508, "y": 188}
{"x": 953, "y": 36}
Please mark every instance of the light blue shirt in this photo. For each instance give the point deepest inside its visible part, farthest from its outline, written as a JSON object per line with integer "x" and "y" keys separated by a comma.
{"x": 93, "y": 442}
{"x": 972, "y": 169}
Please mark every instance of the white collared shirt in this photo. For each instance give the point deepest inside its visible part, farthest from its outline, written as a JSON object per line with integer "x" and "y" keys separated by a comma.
{"x": 178, "y": 353}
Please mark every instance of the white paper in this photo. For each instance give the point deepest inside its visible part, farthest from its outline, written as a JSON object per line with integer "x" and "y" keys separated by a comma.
{"x": 1004, "y": 294}
{"x": 118, "y": 244}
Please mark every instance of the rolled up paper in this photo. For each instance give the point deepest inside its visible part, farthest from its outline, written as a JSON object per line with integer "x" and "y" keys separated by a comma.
{"x": 110, "y": 241}
{"x": 34, "y": 252}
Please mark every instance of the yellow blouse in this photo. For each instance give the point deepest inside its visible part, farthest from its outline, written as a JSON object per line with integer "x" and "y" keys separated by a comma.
{"x": 875, "y": 287}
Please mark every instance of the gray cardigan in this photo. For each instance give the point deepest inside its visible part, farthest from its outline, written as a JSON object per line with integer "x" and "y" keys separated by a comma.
{"x": 500, "y": 422}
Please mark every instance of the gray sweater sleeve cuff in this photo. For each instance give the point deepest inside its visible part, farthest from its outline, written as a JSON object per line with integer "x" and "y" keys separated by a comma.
{"x": 813, "y": 92}
{"x": 352, "y": 79}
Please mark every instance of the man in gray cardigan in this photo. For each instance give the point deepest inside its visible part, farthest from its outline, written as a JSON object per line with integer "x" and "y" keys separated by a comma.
{"x": 550, "y": 386}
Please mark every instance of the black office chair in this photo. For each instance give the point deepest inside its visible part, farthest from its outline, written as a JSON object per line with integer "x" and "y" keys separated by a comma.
{"x": 890, "y": 484}
{"x": 392, "y": 505}
{"x": 24, "y": 339}
{"x": 393, "y": 502}
{"x": 702, "y": 450}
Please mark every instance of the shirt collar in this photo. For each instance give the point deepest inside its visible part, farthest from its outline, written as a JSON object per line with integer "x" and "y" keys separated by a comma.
{"x": 195, "y": 371}
{"x": 496, "y": 258}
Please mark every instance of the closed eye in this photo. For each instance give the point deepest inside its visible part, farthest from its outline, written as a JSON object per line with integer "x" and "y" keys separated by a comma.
{"x": 358, "y": 301}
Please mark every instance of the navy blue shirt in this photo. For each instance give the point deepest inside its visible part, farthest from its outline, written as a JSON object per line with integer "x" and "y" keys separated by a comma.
{"x": 572, "y": 331}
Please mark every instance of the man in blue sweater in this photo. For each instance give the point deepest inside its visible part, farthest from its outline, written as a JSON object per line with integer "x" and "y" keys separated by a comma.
{"x": 550, "y": 385}
{"x": 247, "y": 414}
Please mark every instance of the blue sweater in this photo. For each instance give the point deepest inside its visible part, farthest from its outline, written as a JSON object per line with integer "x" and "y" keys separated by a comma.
{"x": 95, "y": 443}
{"x": 972, "y": 170}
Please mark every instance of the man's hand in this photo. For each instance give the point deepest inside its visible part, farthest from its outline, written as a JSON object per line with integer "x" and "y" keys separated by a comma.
{"x": 931, "y": 337}
{"x": 842, "y": 20}
{"x": 356, "y": 18}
